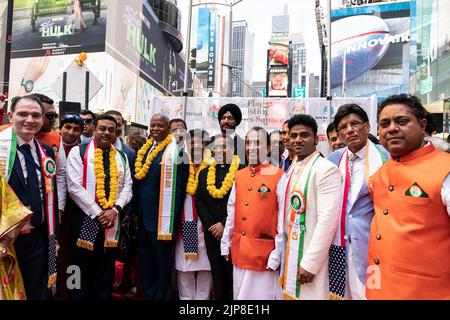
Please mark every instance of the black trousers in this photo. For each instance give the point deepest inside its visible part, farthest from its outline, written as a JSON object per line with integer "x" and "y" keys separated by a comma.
{"x": 97, "y": 270}
{"x": 155, "y": 265}
{"x": 32, "y": 255}
{"x": 221, "y": 270}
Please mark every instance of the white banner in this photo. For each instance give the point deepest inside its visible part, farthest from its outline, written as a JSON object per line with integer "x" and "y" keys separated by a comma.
{"x": 269, "y": 113}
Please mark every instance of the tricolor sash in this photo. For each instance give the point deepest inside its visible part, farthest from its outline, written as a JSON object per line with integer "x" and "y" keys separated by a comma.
{"x": 295, "y": 204}
{"x": 337, "y": 262}
{"x": 190, "y": 228}
{"x": 90, "y": 227}
{"x": 168, "y": 183}
{"x": 8, "y": 148}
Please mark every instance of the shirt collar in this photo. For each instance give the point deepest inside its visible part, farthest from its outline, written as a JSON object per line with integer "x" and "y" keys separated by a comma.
{"x": 361, "y": 153}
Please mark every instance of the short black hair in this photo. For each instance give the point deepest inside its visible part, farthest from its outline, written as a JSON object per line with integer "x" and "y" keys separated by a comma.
{"x": 199, "y": 133}
{"x": 408, "y": 100}
{"x": 115, "y": 113}
{"x": 330, "y": 129}
{"x": 305, "y": 120}
{"x": 259, "y": 130}
{"x": 15, "y": 101}
{"x": 431, "y": 125}
{"x": 71, "y": 118}
{"x": 178, "y": 120}
{"x": 104, "y": 117}
{"x": 88, "y": 112}
{"x": 348, "y": 109}
{"x": 43, "y": 98}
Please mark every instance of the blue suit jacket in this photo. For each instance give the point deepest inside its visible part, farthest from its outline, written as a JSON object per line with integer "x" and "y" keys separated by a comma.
{"x": 358, "y": 227}
{"x": 147, "y": 193}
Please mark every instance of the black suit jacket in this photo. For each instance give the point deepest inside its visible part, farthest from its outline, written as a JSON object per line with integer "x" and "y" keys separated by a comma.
{"x": 147, "y": 192}
{"x": 211, "y": 210}
{"x": 17, "y": 183}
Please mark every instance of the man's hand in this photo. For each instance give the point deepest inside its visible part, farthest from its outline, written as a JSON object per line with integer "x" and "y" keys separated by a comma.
{"x": 106, "y": 218}
{"x": 304, "y": 276}
{"x": 216, "y": 230}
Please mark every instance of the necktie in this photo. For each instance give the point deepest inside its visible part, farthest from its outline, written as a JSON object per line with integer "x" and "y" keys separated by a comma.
{"x": 34, "y": 190}
{"x": 351, "y": 160}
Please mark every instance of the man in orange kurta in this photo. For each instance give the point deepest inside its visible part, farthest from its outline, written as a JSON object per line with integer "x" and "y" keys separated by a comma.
{"x": 254, "y": 228}
{"x": 409, "y": 246}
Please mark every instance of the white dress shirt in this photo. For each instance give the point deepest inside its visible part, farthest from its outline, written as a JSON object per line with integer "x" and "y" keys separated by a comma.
{"x": 358, "y": 174}
{"x": 82, "y": 198}
{"x": 61, "y": 181}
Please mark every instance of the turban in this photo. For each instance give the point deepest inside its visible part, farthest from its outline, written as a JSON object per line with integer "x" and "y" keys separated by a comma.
{"x": 234, "y": 110}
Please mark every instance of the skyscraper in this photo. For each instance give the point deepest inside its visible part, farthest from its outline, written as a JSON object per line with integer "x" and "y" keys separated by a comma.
{"x": 242, "y": 58}
{"x": 299, "y": 72}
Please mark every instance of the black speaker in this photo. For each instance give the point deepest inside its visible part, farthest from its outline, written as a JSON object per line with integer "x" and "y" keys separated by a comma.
{"x": 67, "y": 107}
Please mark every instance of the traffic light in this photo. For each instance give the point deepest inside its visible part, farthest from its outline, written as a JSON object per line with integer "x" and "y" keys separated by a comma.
{"x": 193, "y": 61}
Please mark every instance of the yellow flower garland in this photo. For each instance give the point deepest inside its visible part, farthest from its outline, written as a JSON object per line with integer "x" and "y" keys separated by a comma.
{"x": 100, "y": 176}
{"x": 227, "y": 182}
{"x": 193, "y": 178}
{"x": 142, "y": 169}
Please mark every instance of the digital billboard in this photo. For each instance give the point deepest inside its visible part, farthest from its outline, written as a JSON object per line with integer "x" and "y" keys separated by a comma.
{"x": 136, "y": 40}
{"x": 371, "y": 58}
{"x": 55, "y": 27}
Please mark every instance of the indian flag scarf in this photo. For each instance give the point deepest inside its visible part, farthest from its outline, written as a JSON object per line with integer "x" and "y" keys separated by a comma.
{"x": 337, "y": 262}
{"x": 8, "y": 149}
{"x": 90, "y": 227}
{"x": 168, "y": 183}
{"x": 295, "y": 205}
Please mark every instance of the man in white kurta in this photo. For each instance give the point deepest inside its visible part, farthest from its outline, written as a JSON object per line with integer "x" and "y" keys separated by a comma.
{"x": 313, "y": 193}
{"x": 254, "y": 228}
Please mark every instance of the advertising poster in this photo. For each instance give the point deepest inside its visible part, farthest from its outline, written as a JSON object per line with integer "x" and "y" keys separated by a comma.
{"x": 146, "y": 93}
{"x": 56, "y": 27}
{"x": 137, "y": 41}
{"x": 278, "y": 82}
{"x": 203, "y": 38}
{"x": 43, "y": 72}
{"x": 212, "y": 51}
{"x": 374, "y": 57}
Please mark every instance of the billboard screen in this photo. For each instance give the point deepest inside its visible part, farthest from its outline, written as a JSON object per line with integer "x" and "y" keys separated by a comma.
{"x": 136, "y": 40}
{"x": 372, "y": 58}
{"x": 55, "y": 27}
{"x": 278, "y": 82}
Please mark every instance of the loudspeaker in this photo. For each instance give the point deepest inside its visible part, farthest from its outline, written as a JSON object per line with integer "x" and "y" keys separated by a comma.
{"x": 67, "y": 107}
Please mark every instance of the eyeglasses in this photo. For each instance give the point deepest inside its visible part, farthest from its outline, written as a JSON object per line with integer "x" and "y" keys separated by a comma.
{"x": 353, "y": 124}
{"x": 51, "y": 115}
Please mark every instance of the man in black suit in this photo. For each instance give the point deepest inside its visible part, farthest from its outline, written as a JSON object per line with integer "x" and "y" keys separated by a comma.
{"x": 30, "y": 169}
{"x": 213, "y": 213}
{"x": 156, "y": 246}
{"x": 230, "y": 116}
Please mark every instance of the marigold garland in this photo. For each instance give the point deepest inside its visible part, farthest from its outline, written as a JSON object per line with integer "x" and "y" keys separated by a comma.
{"x": 227, "y": 182}
{"x": 142, "y": 169}
{"x": 100, "y": 176}
{"x": 193, "y": 178}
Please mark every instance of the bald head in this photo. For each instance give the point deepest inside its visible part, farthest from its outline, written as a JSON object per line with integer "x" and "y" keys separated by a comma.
{"x": 159, "y": 127}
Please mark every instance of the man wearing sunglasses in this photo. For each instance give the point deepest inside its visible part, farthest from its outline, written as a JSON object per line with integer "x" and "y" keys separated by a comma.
{"x": 88, "y": 130}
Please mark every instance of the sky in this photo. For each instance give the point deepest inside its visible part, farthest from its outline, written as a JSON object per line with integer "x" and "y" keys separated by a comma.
{"x": 258, "y": 14}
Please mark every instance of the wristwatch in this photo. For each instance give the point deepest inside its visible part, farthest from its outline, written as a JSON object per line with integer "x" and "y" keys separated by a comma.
{"x": 117, "y": 207}
{"x": 28, "y": 85}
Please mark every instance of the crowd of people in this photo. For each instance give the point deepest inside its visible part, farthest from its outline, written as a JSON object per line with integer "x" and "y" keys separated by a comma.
{"x": 197, "y": 217}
